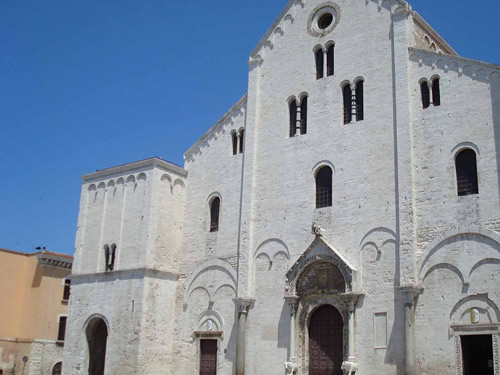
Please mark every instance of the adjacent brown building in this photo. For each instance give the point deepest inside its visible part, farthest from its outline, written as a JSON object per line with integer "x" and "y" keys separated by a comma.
{"x": 34, "y": 290}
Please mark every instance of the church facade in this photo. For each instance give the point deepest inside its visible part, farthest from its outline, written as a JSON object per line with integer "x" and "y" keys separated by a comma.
{"x": 343, "y": 217}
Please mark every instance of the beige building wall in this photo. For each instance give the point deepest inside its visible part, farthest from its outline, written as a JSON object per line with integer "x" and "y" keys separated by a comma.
{"x": 32, "y": 288}
{"x": 12, "y": 274}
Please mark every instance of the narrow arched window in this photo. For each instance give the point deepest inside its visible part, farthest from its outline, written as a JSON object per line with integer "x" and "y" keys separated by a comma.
{"x": 319, "y": 55}
{"x": 436, "y": 92}
{"x": 214, "y": 214}
{"x": 303, "y": 115}
{"x": 242, "y": 140}
{"x": 466, "y": 167}
{"x": 293, "y": 117}
{"x": 234, "y": 138}
{"x": 426, "y": 96}
{"x": 324, "y": 187}
{"x": 347, "y": 96}
{"x": 360, "y": 112}
{"x": 330, "y": 61}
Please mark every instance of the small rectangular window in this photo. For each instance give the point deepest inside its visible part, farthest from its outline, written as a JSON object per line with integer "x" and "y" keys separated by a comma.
{"x": 62, "y": 328}
{"x": 67, "y": 289}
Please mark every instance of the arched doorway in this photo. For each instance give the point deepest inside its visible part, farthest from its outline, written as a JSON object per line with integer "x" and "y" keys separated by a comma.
{"x": 326, "y": 342}
{"x": 97, "y": 336}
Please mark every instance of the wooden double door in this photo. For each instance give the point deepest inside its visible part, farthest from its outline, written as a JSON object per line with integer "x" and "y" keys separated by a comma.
{"x": 326, "y": 342}
{"x": 208, "y": 357}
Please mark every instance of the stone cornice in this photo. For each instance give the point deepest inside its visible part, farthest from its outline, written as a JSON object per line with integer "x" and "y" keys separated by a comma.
{"x": 150, "y": 163}
{"x": 53, "y": 260}
{"x": 214, "y": 128}
{"x": 147, "y": 272}
{"x": 423, "y": 23}
{"x": 438, "y": 55}
{"x": 268, "y": 33}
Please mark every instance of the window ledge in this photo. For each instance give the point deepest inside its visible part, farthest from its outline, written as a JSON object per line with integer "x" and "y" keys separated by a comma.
{"x": 65, "y": 301}
{"x": 60, "y": 342}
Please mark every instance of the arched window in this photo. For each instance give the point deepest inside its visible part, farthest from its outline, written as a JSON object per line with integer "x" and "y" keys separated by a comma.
{"x": 234, "y": 138}
{"x": 303, "y": 115}
{"x": 293, "y": 117}
{"x": 242, "y": 140}
{"x": 319, "y": 55}
{"x": 57, "y": 369}
{"x": 214, "y": 214}
{"x": 347, "y": 95}
{"x": 466, "y": 166}
{"x": 436, "y": 92}
{"x": 324, "y": 187}
{"x": 360, "y": 113}
{"x": 330, "y": 61}
{"x": 426, "y": 96}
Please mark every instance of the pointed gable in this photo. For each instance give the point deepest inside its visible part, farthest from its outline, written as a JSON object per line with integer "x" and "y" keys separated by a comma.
{"x": 320, "y": 251}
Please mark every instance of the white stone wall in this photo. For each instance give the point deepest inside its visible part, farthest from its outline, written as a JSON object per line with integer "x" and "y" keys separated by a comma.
{"x": 139, "y": 207}
{"x": 395, "y": 220}
{"x": 457, "y": 236}
{"x": 44, "y": 356}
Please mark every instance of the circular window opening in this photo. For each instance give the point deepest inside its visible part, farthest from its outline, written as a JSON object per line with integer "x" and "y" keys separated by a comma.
{"x": 325, "y": 20}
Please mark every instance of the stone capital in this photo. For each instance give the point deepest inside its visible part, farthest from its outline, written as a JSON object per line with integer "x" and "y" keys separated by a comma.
{"x": 244, "y": 304}
{"x": 293, "y": 303}
{"x": 352, "y": 299}
{"x": 410, "y": 292}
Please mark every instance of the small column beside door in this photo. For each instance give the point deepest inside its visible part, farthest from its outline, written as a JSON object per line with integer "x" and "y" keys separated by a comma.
{"x": 291, "y": 365}
{"x": 243, "y": 308}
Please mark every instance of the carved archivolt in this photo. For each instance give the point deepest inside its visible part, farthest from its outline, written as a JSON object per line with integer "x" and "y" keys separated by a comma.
{"x": 319, "y": 251}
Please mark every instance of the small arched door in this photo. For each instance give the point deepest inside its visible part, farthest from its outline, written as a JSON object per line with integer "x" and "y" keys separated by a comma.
{"x": 326, "y": 342}
{"x": 98, "y": 337}
{"x": 57, "y": 369}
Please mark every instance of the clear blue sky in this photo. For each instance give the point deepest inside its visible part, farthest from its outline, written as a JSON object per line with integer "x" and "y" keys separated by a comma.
{"x": 86, "y": 85}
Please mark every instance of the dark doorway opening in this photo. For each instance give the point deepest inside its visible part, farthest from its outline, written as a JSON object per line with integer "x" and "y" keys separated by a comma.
{"x": 326, "y": 342}
{"x": 477, "y": 354}
{"x": 97, "y": 336}
{"x": 208, "y": 357}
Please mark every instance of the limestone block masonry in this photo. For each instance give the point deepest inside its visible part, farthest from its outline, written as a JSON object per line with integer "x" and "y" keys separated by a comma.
{"x": 406, "y": 258}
